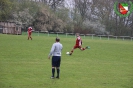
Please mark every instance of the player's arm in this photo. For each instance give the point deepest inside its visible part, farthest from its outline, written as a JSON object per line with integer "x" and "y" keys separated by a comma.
{"x": 30, "y": 29}
{"x": 51, "y": 51}
{"x": 61, "y": 47}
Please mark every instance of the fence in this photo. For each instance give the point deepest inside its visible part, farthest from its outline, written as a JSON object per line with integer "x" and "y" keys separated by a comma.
{"x": 72, "y": 35}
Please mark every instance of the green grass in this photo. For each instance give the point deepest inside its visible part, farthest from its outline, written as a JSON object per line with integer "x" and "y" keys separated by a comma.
{"x": 24, "y": 64}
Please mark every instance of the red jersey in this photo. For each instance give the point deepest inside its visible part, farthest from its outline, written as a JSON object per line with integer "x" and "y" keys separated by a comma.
{"x": 78, "y": 41}
{"x": 29, "y": 29}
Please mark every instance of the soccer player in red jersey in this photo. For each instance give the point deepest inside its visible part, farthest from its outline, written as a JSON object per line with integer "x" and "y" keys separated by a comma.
{"x": 29, "y": 33}
{"x": 78, "y": 44}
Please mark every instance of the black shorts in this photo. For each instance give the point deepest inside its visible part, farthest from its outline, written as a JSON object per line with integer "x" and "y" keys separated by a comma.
{"x": 56, "y": 61}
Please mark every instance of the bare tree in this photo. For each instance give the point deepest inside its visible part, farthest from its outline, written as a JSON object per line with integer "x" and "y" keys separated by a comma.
{"x": 82, "y": 6}
{"x": 54, "y": 3}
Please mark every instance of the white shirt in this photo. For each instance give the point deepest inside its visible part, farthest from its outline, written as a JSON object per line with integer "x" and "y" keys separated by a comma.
{"x": 56, "y": 49}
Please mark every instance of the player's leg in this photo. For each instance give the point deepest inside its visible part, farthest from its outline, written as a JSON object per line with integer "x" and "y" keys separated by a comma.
{"x": 82, "y": 49}
{"x": 53, "y": 67}
{"x": 58, "y": 72}
{"x": 73, "y": 49}
{"x": 28, "y": 36}
{"x": 71, "y": 52}
{"x": 58, "y": 66}
{"x": 53, "y": 72}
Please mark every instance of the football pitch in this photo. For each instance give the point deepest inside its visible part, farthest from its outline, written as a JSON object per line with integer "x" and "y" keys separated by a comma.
{"x": 25, "y": 64}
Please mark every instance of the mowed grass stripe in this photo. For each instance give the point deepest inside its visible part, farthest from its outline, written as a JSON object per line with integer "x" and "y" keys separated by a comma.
{"x": 24, "y": 64}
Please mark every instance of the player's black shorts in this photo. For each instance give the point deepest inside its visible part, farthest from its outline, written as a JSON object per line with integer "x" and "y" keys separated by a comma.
{"x": 56, "y": 61}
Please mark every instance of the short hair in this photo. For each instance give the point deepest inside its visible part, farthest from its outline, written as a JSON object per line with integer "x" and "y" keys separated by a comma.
{"x": 57, "y": 39}
{"x": 77, "y": 33}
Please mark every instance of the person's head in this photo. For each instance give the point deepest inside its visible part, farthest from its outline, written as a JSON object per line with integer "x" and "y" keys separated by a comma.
{"x": 77, "y": 34}
{"x": 57, "y": 40}
{"x": 30, "y": 27}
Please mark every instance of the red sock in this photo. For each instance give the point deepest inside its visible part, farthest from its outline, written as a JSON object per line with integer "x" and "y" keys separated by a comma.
{"x": 72, "y": 51}
{"x": 82, "y": 48}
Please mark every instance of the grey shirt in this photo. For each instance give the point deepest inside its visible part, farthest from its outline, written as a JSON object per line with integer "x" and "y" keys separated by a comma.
{"x": 56, "y": 49}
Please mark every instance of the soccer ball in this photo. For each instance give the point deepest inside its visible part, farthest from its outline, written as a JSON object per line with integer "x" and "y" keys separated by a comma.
{"x": 67, "y": 53}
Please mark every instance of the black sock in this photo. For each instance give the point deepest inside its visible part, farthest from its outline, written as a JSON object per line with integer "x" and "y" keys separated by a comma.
{"x": 53, "y": 71}
{"x": 58, "y": 72}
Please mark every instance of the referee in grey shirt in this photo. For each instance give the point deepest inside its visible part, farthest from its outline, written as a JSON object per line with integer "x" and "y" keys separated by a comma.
{"x": 56, "y": 57}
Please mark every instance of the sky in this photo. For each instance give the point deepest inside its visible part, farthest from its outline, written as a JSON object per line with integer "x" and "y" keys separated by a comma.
{"x": 69, "y": 3}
